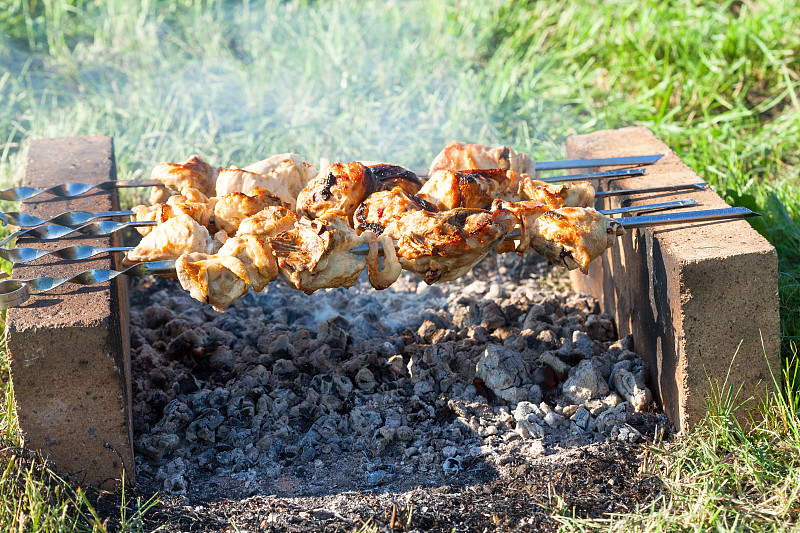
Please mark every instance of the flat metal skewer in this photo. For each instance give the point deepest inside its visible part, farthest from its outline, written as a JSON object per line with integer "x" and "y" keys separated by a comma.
{"x": 81, "y": 251}
{"x": 600, "y": 162}
{"x": 16, "y": 291}
{"x": 649, "y": 190}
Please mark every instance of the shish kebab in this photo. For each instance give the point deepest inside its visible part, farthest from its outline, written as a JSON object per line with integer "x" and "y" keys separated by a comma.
{"x": 467, "y": 199}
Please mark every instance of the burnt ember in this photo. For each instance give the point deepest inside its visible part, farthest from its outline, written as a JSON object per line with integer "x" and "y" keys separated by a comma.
{"x": 459, "y": 384}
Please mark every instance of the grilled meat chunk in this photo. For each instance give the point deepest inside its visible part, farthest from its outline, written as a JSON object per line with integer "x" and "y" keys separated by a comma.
{"x": 192, "y": 202}
{"x": 474, "y": 189}
{"x": 194, "y": 173}
{"x": 285, "y": 179}
{"x": 577, "y": 194}
{"x": 391, "y": 176}
{"x": 573, "y": 236}
{"x": 526, "y": 212}
{"x": 217, "y": 280}
{"x": 257, "y": 256}
{"x": 170, "y": 239}
{"x": 315, "y": 254}
{"x": 383, "y": 207}
{"x": 268, "y": 222}
{"x": 234, "y": 207}
{"x": 462, "y": 156}
{"x": 381, "y": 277}
{"x": 337, "y": 190}
{"x": 443, "y": 246}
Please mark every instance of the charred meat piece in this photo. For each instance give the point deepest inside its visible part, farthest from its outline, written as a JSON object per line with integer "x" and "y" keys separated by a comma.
{"x": 391, "y": 176}
{"x": 383, "y": 207}
{"x": 526, "y": 212}
{"x": 192, "y": 202}
{"x": 315, "y": 254}
{"x": 463, "y": 156}
{"x": 443, "y": 246}
{"x": 474, "y": 189}
{"x": 573, "y": 236}
{"x": 234, "y": 207}
{"x": 337, "y": 190}
{"x": 194, "y": 173}
{"x": 381, "y": 277}
{"x": 268, "y": 222}
{"x": 577, "y": 194}
{"x": 212, "y": 279}
{"x": 170, "y": 239}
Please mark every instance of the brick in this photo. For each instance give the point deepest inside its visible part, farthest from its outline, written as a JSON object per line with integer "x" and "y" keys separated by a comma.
{"x": 70, "y": 347}
{"x": 700, "y": 299}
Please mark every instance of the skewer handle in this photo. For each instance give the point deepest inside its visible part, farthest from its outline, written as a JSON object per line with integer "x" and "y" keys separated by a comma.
{"x": 601, "y": 162}
{"x": 688, "y": 216}
{"x": 68, "y": 218}
{"x": 55, "y": 231}
{"x": 15, "y": 292}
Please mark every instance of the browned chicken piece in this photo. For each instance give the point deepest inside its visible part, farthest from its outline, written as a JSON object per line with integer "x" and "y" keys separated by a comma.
{"x": 192, "y": 202}
{"x": 526, "y": 212}
{"x": 381, "y": 277}
{"x": 216, "y": 280}
{"x": 443, "y": 246}
{"x": 194, "y": 173}
{"x": 315, "y": 254}
{"x": 284, "y": 178}
{"x": 257, "y": 256}
{"x": 573, "y": 236}
{"x": 391, "y": 176}
{"x": 170, "y": 239}
{"x": 577, "y": 194}
{"x": 463, "y": 156}
{"x": 268, "y": 222}
{"x": 383, "y": 207}
{"x": 234, "y": 207}
{"x": 474, "y": 189}
{"x": 337, "y": 190}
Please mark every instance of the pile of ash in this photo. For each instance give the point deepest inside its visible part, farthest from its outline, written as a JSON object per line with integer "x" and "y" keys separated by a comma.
{"x": 356, "y": 389}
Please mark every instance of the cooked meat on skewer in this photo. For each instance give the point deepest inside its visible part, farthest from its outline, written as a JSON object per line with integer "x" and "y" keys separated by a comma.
{"x": 314, "y": 254}
{"x": 381, "y": 278}
{"x": 285, "y": 179}
{"x": 170, "y": 239}
{"x": 574, "y": 236}
{"x": 576, "y": 194}
{"x": 257, "y": 256}
{"x": 268, "y": 222}
{"x": 234, "y": 207}
{"x": 443, "y": 246}
{"x": 194, "y": 173}
{"x": 463, "y": 156}
{"x": 337, "y": 190}
{"x": 383, "y": 207}
{"x": 192, "y": 202}
{"x": 474, "y": 189}
{"x": 217, "y": 280}
{"x": 392, "y": 176}
{"x": 526, "y": 212}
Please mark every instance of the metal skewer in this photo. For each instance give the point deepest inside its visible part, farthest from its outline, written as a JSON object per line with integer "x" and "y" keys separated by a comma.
{"x": 70, "y": 190}
{"x": 55, "y": 231}
{"x": 647, "y": 190}
{"x": 68, "y": 218}
{"x": 16, "y": 291}
{"x": 624, "y": 173}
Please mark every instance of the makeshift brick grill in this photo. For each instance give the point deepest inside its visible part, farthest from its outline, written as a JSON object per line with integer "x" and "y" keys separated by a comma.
{"x": 44, "y": 227}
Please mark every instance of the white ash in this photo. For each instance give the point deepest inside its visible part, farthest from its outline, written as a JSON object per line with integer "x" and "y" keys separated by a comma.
{"x": 360, "y": 388}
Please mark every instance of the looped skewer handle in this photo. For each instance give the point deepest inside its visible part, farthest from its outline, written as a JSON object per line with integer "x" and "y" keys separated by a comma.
{"x": 55, "y": 231}
{"x": 70, "y": 190}
{"x": 68, "y": 218}
{"x": 70, "y": 253}
{"x": 16, "y": 291}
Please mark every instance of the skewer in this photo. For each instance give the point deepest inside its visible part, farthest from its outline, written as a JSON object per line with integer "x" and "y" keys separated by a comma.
{"x": 17, "y": 291}
{"x": 80, "y": 251}
{"x": 624, "y": 173}
{"x": 75, "y": 219}
{"x": 55, "y": 231}
{"x": 70, "y": 190}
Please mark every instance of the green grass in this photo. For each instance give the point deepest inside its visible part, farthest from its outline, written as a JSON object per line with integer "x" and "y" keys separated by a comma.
{"x": 237, "y": 81}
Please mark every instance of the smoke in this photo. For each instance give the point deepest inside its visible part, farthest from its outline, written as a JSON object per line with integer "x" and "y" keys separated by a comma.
{"x": 236, "y": 83}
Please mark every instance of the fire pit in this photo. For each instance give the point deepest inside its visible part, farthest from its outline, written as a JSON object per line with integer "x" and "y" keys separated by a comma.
{"x": 354, "y": 389}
